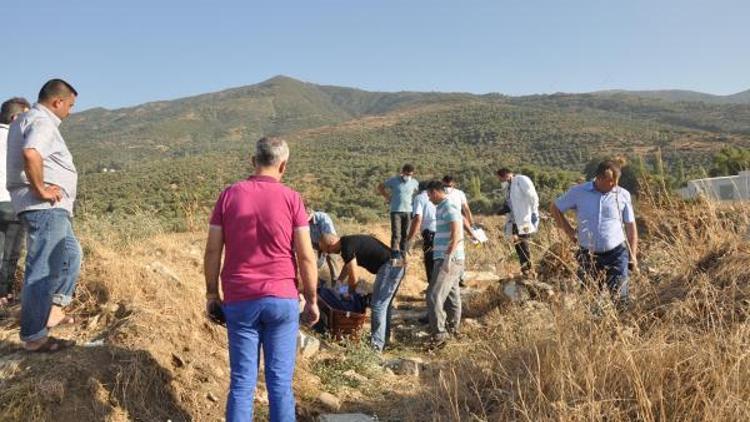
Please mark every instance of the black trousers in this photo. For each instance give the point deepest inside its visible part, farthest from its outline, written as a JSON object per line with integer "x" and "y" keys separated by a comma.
{"x": 400, "y": 222}
{"x": 428, "y": 238}
{"x": 11, "y": 239}
{"x": 522, "y": 249}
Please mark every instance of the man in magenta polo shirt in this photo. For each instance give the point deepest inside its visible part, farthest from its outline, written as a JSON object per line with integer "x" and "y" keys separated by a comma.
{"x": 261, "y": 225}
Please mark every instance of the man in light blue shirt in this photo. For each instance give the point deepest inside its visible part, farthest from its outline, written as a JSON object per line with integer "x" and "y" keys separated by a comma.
{"x": 423, "y": 221}
{"x": 602, "y": 209}
{"x": 322, "y": 224}
{"x": 399, "y": 191}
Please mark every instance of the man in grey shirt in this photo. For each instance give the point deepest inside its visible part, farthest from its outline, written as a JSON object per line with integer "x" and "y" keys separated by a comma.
{"x": 42, "y": 183}
{"x": 11, "y": 232}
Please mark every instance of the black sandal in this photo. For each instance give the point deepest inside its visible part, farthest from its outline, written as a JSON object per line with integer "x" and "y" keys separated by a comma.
{"x": 52, "y": 345}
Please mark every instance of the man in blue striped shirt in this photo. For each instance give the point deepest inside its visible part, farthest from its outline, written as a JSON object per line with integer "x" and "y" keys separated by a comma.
{"x": 443, "y": 293}
{"x": 602, "y": 209}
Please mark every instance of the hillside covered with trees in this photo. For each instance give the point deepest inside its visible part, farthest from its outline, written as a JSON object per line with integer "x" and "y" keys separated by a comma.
{"x": 172, "y": 158}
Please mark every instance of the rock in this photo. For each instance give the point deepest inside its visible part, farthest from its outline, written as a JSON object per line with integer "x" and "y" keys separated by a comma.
{"x": 515, "y": 292}
{"x": 468, "y": 294}
{"x": 354, "y": 376}
{"x": 158, "y": 268}
{"x": 471, "y": 323}
{"x": 212, "y": 397}
{"x": 480, "y": 276}
{"x": 406, "y": 366}
{"x": 539, "y": 288}
{"x": 346, "y": 417}
{"x": 307, "y": 345}
{"x": 421, "y": 334}
{"x": 177, "y": 360}
{"x": 406, "y": 314}
{"x": 329, "y": 401}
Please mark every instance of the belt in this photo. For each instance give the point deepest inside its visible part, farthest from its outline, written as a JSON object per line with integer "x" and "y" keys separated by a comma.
{"x": 613, "y": 250}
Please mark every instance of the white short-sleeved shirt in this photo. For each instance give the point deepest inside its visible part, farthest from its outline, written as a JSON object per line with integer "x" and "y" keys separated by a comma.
{"x": 4, "y": 194}
{"x": 425, "y": 208}
{"x": 457, "y": 198}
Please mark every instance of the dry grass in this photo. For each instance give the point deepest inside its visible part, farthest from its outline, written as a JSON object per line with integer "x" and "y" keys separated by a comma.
{"x": 681, "y": 353}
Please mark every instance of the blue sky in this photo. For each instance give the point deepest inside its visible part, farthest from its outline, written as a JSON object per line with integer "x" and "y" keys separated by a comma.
{"x": 126, "y": 53}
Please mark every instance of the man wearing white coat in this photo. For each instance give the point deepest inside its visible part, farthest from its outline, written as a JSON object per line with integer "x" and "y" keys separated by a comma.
{"x": 522, "y": 207}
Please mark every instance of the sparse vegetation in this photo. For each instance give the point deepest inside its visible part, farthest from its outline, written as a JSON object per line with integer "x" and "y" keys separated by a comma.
{"x": 146, "y": 352}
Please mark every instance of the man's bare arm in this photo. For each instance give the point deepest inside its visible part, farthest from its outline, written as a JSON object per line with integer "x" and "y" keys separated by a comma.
{"x": 467, "y": 212}
{"x": 562, "y": 222}
{"x": 212, "y": 261}
{"x": 383, "y": 192}
{"x": 416, "y": 223}
{"x": 631, "y": 230}
{"x": 308, "y": 270}
{"x": 34, "y": 169}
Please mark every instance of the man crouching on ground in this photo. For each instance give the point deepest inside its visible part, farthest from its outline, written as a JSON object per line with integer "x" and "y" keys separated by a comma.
{"x": 373, "y": 255}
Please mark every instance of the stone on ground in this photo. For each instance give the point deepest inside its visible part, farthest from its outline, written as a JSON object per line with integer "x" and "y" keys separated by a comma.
{"x": 346, "y": 417}
{"x": 307, "y": 345}
{"x": 515, "y": 292}
{"x": 330, "y": 401}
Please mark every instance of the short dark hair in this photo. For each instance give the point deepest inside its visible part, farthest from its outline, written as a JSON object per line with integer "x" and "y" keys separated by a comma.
{"x": 422, "y": 186}
{"x": 447, "y": 179}
{"x": 608, "y": 166}
{"x": 435, "y": 185}
{"x": 503, "y": 172}
{"x": 56, "y": 88}
{"x": 11, "y": 108}
{"x": 407, "y": 168}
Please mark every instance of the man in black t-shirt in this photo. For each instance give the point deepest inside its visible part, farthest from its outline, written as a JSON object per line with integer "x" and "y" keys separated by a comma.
{"x": 374, "y": 256}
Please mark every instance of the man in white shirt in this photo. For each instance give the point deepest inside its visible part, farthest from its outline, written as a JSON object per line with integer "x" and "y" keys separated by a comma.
{"x": 522, "y": 208}
{"x": 457, "y": 197}
{"x": 11, "y": 231}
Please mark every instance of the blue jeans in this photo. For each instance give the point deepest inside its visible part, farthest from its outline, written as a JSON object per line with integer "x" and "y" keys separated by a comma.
{"x": 384, "y": 290}
{"x": 53, "y": 262}
{"x": 611, "y": 266}
{"x": 271, "y": 323}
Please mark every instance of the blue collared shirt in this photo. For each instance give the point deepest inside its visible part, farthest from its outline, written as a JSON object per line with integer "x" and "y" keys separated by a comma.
{"x": 425, "y": 208}
{"x": 402, "y": 193}
{"x": 600, "y": 216}
{"x": 38, "y": 129}
{"x": 320, "y": 224}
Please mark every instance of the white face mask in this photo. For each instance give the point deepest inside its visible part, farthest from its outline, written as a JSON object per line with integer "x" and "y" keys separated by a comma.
{"x": 448, "y": 190}
{"x": 405, "y": 178}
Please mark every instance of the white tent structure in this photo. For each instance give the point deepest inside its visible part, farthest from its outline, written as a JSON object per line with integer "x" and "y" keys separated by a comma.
{"x": 727, "y": 188}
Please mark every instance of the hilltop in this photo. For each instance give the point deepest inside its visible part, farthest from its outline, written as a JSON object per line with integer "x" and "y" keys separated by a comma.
{"x": 679, "y": 95}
